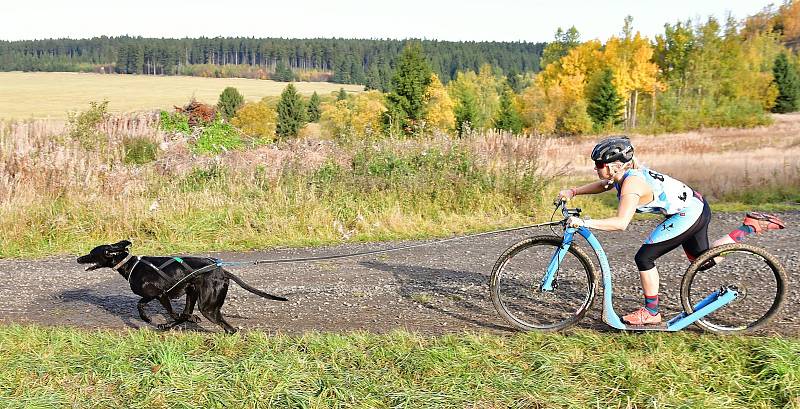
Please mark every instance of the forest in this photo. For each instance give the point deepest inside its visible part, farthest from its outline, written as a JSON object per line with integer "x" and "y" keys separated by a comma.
{"x": 348, "y": 61}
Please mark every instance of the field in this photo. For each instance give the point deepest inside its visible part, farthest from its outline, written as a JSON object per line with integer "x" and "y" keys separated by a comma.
{"x": 312, "y": 191}
{"x": 53, "y": 94}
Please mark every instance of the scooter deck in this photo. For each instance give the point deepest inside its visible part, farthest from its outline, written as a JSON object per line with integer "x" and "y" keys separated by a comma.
{"x": 662, "y": 326}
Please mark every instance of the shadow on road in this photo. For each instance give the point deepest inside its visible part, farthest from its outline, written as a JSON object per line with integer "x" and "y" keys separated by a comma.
{"x": 465, "y": 293}
{"x": 122, "y": 306}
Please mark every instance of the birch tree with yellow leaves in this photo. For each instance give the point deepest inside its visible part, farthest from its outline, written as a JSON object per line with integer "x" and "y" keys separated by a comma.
{"x": 439, "y": 107}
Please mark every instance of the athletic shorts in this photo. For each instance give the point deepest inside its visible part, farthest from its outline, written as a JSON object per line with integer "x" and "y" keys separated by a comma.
{"x": 688, "y": 228}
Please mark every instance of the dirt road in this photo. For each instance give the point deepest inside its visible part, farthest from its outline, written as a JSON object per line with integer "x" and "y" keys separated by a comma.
{"x": 431, "y": 290}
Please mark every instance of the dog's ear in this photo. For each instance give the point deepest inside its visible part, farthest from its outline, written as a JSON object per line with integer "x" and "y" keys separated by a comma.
{"x": 121, "y": 245}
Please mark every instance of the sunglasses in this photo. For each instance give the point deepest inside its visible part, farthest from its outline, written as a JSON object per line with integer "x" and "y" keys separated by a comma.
{"x": 599, "y": 165}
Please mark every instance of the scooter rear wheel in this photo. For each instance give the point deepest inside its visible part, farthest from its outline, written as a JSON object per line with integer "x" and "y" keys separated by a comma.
{"x": 755, "y": 274}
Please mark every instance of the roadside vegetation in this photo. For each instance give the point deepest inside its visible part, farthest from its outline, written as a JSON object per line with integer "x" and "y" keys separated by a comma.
{"x": 172, "y": 187}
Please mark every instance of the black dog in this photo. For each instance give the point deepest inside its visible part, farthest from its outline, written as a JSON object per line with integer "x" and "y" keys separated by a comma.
{"x": 204, "y": 282}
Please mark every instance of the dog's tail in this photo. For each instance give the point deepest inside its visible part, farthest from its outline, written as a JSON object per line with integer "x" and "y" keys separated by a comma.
{"x": 253, "y": 290}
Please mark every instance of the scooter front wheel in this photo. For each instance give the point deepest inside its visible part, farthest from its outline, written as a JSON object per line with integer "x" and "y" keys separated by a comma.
{"x": 516, "y": 285}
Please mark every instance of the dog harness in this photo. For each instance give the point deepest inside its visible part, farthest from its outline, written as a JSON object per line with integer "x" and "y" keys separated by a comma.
{"x": 165, "y": 276}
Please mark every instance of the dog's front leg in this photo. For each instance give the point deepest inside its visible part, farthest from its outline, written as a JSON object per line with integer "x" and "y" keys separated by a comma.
{"x": 140, "y": 306}
{"x": 164, "y": 300}
{"x": 186, "y": 315}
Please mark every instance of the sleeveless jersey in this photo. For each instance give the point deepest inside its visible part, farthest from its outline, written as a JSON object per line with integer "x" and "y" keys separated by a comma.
{"x": 681, "y": 205}
{"x": 670, "y": 196}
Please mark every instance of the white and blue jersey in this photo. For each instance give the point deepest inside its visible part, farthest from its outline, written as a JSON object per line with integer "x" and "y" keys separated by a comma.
{"x": 679, "y": 203}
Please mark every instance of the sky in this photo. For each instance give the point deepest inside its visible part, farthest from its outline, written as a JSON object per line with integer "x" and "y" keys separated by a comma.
{"x": 464, "y": 20}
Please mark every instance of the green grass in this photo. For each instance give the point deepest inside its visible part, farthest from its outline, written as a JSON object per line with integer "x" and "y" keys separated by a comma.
{"x": 47, "y": 367}
{"x": 25, "y": 95}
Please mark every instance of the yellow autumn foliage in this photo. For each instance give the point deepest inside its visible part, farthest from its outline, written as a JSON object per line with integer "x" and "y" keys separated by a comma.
{"x": 256, "y": 119}
{"x": 358, "y": 116}
{"x": 439, "y": 106}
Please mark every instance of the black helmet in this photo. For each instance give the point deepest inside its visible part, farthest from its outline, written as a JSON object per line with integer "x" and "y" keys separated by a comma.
{"x": 612, "y": 149}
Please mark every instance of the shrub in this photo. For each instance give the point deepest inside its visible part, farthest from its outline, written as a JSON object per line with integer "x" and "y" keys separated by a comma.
{"x": 229, "y": 102}
{"x": 83, "y": 125}
{"x": 139, "y": 151}
{"x": 256, "y": 119}
{"x": 218, "y": 137}
{"x": 576, "y": 120}
{"x": 198, "y": 113}
{"x": 337, "y": 119}
{"x": 200, "y": 179}
{"x": 175, "y": 122}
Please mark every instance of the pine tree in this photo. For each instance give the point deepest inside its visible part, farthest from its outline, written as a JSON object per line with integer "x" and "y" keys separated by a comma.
{"x": 373, "y": 80}
{"x": 291, "y": 113}
{"x": 122, "y": 60}
{"x": 406, "y": 102}
{"x": 605, "y": 104}
{"x": 514, "y": 80}
{"x": 357, "y": 75}
{"x": 786, "y": 79}
{"x": 507, "y": 117}
{"x": 229, "y": 102}
{"x": 466, "y": 112}
{"x": 135, "y": 59}
{"x": 283, "y": 73}
{"x": 314, "y": 110}
{"x": 342, "y": 95}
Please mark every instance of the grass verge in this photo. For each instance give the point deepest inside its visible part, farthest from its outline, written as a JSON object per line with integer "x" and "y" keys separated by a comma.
{"x": 47, "y": 367}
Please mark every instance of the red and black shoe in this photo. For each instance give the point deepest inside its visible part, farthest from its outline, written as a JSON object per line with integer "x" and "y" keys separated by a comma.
{"x": 763, "y": 221}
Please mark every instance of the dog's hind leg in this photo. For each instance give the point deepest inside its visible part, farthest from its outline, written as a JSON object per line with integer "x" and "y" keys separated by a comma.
{"x": 140, "y": 306}
{"x": 211, "y": 299}
{"x": 215, "y": 315}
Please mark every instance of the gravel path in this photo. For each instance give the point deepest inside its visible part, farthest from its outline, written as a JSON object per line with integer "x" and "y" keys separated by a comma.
{"x": 431, "y": 290}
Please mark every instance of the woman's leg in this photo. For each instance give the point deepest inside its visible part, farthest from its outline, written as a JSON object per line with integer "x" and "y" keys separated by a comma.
{"x": 752, "y": 223}
{"x": 667, "y": 236}
{"x": 648, "y": 273}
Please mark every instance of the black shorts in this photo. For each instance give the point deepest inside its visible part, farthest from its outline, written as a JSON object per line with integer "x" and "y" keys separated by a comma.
{"x": 694, "y": 241}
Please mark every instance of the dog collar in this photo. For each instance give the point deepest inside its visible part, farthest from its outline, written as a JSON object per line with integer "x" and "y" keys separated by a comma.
{"x": 121, "y": 263}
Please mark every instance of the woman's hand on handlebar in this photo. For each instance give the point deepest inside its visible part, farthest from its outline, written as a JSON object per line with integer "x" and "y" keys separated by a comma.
{"x": 575, "y": 222}
{"x": 566, "y": 194}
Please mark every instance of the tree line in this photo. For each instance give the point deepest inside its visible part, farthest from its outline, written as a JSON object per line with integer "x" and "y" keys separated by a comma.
{"x": 707, "y": 73}
{"x": 350, "y": 61}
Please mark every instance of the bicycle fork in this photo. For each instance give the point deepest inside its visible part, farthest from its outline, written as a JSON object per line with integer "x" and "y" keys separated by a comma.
{"x": 555, "y": 261}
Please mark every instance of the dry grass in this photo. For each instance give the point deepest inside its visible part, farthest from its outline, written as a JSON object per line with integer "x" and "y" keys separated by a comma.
{"x": 35, "y": 158}
{"x": 53, "y": 94}
{"x": 717, "y": 162}
{"x": 52, "y": 189}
